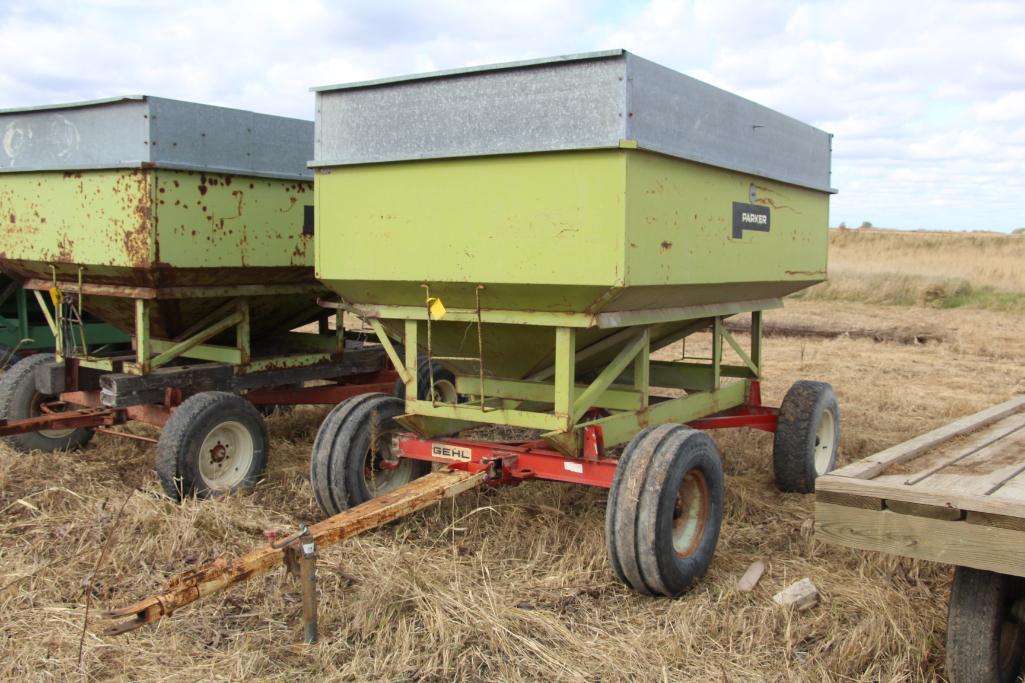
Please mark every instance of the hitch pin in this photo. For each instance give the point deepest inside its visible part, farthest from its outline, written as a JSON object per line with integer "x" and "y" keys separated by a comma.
{"x": 301, "y": 549}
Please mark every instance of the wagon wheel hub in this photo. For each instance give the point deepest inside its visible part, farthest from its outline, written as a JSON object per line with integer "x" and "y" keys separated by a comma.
{"x": 218, "y": 453}
{"x": 226, "y": 455}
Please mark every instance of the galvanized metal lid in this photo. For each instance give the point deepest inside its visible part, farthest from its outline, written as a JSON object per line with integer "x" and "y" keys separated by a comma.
{"x": 585, "y": 101}
{"x": 138, "y": 130}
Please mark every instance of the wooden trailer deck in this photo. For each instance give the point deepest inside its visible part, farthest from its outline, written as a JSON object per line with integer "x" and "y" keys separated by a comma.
{"x": 955, "y": 494}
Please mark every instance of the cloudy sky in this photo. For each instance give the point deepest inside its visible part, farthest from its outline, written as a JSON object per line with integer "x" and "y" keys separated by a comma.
{"x": 926, "y": 98}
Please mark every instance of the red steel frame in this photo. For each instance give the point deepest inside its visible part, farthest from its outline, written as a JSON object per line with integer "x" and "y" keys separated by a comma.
{"x": 537, "y": 460}
{"x": 61, "y": 414}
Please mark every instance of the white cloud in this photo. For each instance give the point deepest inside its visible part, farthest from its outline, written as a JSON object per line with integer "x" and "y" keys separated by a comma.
{"x": 926, "y": 99}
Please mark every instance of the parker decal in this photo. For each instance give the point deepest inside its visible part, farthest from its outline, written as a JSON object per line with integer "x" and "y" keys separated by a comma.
{"x": 750, "y": 217}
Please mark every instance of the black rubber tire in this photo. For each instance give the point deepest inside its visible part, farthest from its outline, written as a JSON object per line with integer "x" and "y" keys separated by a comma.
{"x": 20, "y": 400}
{"x": 796, "y": 442}
{"x": 423, "y": 380}
{"x": 642, "y": 507}
{"x": 985, "y": 642}
{"x": 180, "y": 442}
{"x": 342, "y": 446}
{"x": 7, "y": 358}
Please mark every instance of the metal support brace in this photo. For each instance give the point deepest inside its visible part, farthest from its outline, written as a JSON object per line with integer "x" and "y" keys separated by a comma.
{"x": 339, "y": 331}
{"x": 411, "y": 360}
{"x": 242, "y": 340}
{"x": 565, "y": 373}
{"x": 389, "y": 348}
{"x": 642, "y": 370}
{"x": 728, "y": 336}
{"x": 142, "y": 336}
{"x": 46, "y": 312}
{"x": 182, "y": 347}
{"x": 717, "y": 330}
{"x": 756, "y": 340}
{"x": 610, "y": 373}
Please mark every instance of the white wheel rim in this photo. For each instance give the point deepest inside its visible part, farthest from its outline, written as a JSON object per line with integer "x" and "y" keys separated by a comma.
{"x": 226, "y": 456}
{"x": 690, "y": 513}
{"x": 825, "y": 439}
{"x": 444, "y": 391}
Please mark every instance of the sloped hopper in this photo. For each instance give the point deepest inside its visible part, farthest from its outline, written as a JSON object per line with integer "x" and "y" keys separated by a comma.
{"x": 139, "y": 194}
{"x": 602, "y": 188}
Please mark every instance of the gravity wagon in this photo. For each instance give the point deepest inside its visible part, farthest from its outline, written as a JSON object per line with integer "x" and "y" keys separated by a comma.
{"x": 188, "y": 228}
{"x": 534, "y": 232}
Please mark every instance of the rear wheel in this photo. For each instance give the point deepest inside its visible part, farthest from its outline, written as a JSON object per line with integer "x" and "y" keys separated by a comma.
{"x": 20, "y": 400}
{"x": 353, "y": 460}
{"x": 665, "y": 510}
{"x": 985, "y": 630}
{"x": 807, "y": 436}
{"x": 443, "y": 390}
{"x": 214, "y": 443}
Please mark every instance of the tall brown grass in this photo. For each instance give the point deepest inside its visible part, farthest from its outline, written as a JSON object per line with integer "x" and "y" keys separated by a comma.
{"x": 511, "y": 584}
{"x": 939, "y": 269}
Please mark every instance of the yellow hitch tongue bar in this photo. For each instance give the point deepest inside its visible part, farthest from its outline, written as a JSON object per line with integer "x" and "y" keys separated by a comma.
{"x": 222, "y": 573}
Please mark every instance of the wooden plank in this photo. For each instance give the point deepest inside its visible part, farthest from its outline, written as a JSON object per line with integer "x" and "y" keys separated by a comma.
{"x": 984, "y": 471}
{"x": 877, "y": 463}
{"x": 920, "y": 494}
{"x": 1016, "y": 523}
{"x": 931, "y": 511}
{"x": 1013, "y": 490}
{"x": 982, "y": 547}
{"x": 849, "y": 500}
{"x": 996, "y": 432}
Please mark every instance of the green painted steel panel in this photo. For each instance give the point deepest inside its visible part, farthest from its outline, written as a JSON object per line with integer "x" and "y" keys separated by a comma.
{"x": 155, "y": 227}
{"x": 149, "y": 227}
{"x": 679, "y": 227}
{"x": 597, "y": 230}
{"x": 506, "y": 220}
{"x": 223, "y": 221}
{"x": 585, "y": 231}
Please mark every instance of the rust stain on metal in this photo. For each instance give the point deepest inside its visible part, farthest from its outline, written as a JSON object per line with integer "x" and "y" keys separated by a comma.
{"x": 805, "y": 272}
{"x": 221, "y": 573}
{"x": 666, "y": 246}
{"x": 768, "y": 201}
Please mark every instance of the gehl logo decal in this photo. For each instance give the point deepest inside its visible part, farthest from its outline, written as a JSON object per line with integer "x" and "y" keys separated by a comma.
{"x": 447, "y": 452}
{"x": 749, "y": 217}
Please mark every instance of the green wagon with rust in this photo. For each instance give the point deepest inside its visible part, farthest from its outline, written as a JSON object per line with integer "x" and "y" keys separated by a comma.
{"x": 533, "y": 232}
{"x": 188, "y": 228}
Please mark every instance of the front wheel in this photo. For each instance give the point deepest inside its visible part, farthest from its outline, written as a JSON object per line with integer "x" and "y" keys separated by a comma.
{"x": 665, "y": 510}
{"x": 807, "y": 436}
{"x": 214, "y": 443}
{"x": 985, "y": 629}
{"x": 353, "y": 460}
{"x": 19, "y": 400}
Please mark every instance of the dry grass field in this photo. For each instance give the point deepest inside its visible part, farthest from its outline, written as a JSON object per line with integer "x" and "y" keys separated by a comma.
{"x": 514, "y": 584}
